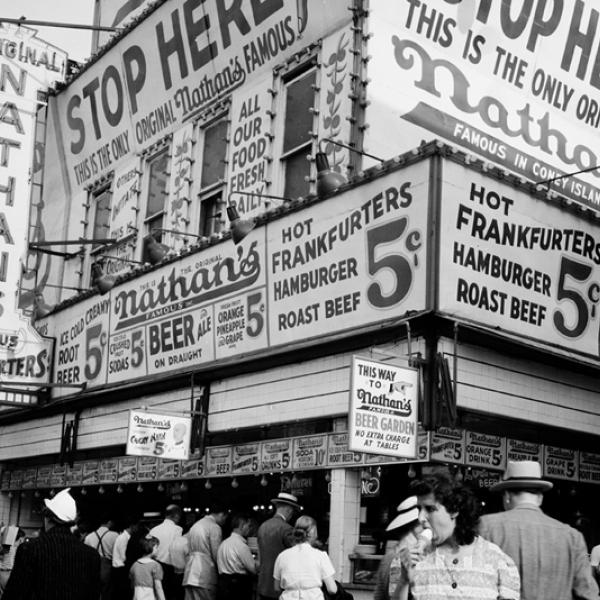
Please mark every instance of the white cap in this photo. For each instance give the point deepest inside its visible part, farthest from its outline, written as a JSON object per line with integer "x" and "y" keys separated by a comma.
{"x": 62, "y": 506}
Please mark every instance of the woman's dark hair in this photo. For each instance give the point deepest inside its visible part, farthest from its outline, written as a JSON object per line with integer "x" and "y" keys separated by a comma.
{"x": 303, "y": 527}
{"x": 456, "y": 498}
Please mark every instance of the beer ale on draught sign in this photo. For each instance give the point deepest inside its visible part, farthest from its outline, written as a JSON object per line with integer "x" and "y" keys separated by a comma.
{"x": 383, "y": 415}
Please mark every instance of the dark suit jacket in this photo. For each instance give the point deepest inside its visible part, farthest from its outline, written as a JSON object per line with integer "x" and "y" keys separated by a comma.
{"x": 274, "y": 536}
{"x": 55, "y": 566}
{"x": 551, "y": 556}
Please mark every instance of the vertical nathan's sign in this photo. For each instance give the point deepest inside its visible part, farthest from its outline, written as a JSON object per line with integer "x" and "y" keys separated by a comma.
{"x": 27, "y": 66}
{"x": 383, "y": 408}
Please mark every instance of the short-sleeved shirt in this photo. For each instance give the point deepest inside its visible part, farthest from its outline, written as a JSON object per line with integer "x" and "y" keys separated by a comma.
{"x": 300, "y": 571}
{"x": 481, "y": 572}
{"x": 595, "y": 556}
{"x": 144, "y": 572}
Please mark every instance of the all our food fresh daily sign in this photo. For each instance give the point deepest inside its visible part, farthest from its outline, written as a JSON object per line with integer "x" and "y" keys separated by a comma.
{"x": 383, "y": 408}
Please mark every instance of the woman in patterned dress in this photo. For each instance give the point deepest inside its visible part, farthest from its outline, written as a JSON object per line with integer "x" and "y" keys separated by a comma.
{"x": 462, "y": 564}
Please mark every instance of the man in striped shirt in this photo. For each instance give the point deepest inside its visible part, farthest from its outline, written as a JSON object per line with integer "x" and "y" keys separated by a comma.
{"x": 56, "y": 565}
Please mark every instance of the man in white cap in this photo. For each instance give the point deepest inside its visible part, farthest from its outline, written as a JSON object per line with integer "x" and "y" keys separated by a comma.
{"x": 56, "y": 565}
{"x": 274, "y": 536}
{"x": 551, "y": 556}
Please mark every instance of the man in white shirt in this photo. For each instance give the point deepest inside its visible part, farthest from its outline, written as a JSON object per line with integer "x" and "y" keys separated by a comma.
{"x": 103, "y": 541}
{"x": 235, "y": 561}
{"x": 120, "y": 577}
{"x": 166, "y": 533}
{"x": 595, "y": 562}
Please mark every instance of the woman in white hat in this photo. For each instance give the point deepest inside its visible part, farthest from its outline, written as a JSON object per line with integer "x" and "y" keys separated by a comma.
{"x": 393, "y": 576}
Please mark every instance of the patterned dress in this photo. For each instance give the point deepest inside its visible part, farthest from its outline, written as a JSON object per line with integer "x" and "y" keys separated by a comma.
{"x": 481, "y": 571}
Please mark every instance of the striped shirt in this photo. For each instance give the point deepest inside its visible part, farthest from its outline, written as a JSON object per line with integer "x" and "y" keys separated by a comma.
{"x": 481, "y": 571}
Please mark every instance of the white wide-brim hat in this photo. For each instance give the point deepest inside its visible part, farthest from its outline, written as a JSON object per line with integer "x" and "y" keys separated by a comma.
{"x": 523, "y": 475}
{"x": 407, "y": 513}
{"x": 62, "y": 506}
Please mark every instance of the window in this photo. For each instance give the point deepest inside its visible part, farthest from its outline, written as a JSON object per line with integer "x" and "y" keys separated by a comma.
{"x": 101, "y": 205}
{"x": 212, "y": 178}
{"x": 299, "y": 99}
{"x": 158, "y": 178}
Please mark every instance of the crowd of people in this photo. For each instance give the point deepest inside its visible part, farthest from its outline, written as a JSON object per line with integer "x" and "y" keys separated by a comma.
{"x": 444, "y": 550}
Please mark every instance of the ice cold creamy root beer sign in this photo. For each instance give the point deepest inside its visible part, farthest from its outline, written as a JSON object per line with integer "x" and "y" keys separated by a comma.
{"x": 383, "y": 408}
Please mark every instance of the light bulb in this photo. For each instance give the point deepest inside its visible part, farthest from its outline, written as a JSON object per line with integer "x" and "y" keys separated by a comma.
{"x": 412, "y": 473}
{"x": 119, "y": 489}
{"x": 161, "y": 487}
{"x": 263, "y": 481}
{"x": 101, "y": 489}
{"x": 140, "y": 488}
{"x": 37, "y": 493}
{"x": 208, "y": 485}
{"x": 234, "y": 483}
{"x": 52, "y": 492}
{"x": 83, "y": 491}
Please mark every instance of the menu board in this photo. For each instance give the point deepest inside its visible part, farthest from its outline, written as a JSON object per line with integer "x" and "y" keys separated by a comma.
{"x": 90, "y": 473}
{"x": 74, "y": 474}
{"x": 108, "y": 470}
{"x": 147, "y": 467}
{"x": 589, "y": 467}
{"x": 127, "y": 469}
{"x": 483, "y": 450}
{"x": 309, "y": 452}
{"x": 58, "y": 476}
{"x": 561, "y": 463}
{"x": 520, "y": 450}
{"x": 448, "y": 445}
{"x": 191, "y": 469}
{"x": 218, "y": 461}
{"x": 29, "y": 476}
{"x": 44, "y": 474}
{"x": 276, "y": 455}
{"x": 168, "y": 469}
{"x": 245, "y": 459}
{"x": 338, "y": 453}
{"x": 5, "y": 482}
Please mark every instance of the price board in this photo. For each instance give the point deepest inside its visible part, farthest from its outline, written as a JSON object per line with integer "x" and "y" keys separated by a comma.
{"x": 168, "y": 469}
{"x": 275, "y": 455}
{"x": 309, "y": 452}
{"x": 561, "y": 463}
{"x": 147, "y": 468}
{"x": 448, "y": 445}
{"x": 59, "y": 473}
{"x": 127, "y": 469}
{"x": 519, "y": 450}
{"x": 486, "y": 451}
{"x": 338, "y": 453}
{"x": 90, "y": 472}
{"x": 218, "y": 461}
{"x": 191, "y": 469}
{"x": 74, "y": 474}
{"x": 29, "y": 476}
{"x": 589, "y": 467}
{"x": 108, "y": 470}
{"x": 44, "y": 475}
{"x": 245, "y": 459}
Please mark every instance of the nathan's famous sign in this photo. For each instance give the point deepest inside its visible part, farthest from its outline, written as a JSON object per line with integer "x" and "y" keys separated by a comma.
{"x": 180, "y": 59}
{"x": 27, "y": 66}
{"x": 513, "y": 82}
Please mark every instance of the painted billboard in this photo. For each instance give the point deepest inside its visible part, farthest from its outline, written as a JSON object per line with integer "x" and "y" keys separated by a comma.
{"x": 178, "y": 61}
{"x": 28, "y": 66}
{"x": 513, "y": 82}
{"x": 518, "y": 263}
{"x": 356, "y": 259}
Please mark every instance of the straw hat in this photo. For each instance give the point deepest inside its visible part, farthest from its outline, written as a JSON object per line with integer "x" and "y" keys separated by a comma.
{"x": 62, "y": 506}
{"x": 407, "y": 513}
{"x": 289, "y": 499}
{"x": 522, "y": 474}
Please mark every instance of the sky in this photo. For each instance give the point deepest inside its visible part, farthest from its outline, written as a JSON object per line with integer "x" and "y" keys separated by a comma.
{"x": 76, "y": 42}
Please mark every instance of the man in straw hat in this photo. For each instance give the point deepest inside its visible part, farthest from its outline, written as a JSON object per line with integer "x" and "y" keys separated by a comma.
{"x": 274, "y": 536}
{"x": 551, "y": 556}
{"x": 56, "y": 565}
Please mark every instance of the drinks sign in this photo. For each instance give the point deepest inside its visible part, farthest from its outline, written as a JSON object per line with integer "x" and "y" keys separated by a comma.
{"x": 383, "y": 408}
{"x": 152, "y": 434}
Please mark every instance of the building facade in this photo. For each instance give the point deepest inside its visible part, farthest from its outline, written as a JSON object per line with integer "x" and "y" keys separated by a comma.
{"x": 437, "y": 250}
